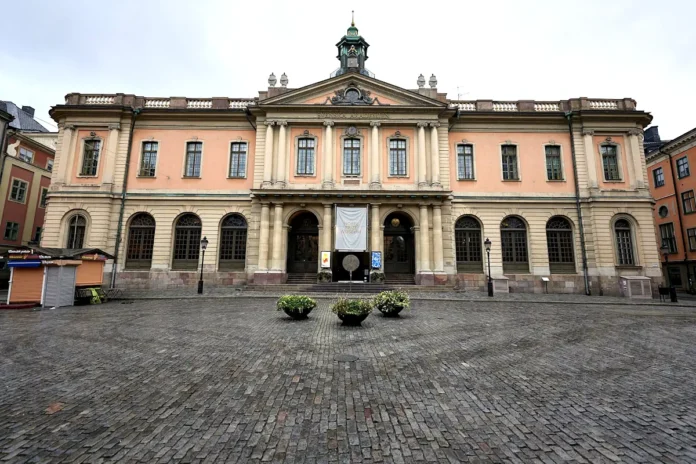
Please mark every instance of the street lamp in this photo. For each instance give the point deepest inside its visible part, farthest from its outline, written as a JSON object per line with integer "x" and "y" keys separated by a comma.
{"x": 665, "y": 252}
{"x": 204, "y": 245}
{"x": 487, "y": 244}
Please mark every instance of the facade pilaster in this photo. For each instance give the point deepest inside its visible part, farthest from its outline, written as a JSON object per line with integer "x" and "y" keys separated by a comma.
{"x": 375, "y": 164}
{"x": 375, "y": 228}
{"x": 424, "y": 252}
{"x": 590, "y": 158}
{"x": 282, "y": 155}
{"x": 326, "y": 231}
{"x": 421, "y": 154}
{"x": 263, "y": 237}
{"x": 435, "y": 154}
{"x": 277, "y": 260}
{"x": 110, "y": 155}
{"x": 64, "y": 156}
{"x": 636, "y": 156}
{"x": 438, "y": 249}
{"x": 268, "y": 155}
{"x": 328, "y": 157}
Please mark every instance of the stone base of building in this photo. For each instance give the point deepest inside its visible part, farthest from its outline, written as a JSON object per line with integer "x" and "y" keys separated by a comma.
{"x": 558, "y": 283}
{"x": 269, "y": 278}
{"x": 154, "y": 279}
{"x": 432, "y": 278}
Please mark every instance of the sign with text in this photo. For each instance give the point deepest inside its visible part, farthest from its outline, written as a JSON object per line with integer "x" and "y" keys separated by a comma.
{"x": 376, "y": 259}
{"x": 325, "y": 259}
{"x": 351, "y": 229}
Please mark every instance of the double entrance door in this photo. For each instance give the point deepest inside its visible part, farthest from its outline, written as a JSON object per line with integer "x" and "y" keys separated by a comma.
{"x": 303, "y": 244}
{"x": 399, "y": 249}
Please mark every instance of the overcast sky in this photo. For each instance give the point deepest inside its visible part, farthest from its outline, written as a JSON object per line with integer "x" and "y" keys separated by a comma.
{"x": 501, "y": 50}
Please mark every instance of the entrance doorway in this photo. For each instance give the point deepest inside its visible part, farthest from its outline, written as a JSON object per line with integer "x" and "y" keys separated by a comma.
{"x": 303, "y": 244}
{"x": 399, "y": 251}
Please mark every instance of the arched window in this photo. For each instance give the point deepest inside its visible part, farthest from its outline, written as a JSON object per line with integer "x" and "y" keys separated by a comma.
{"x": 76, "y": 231}
{"x": 187, "y": 242}
{"x": 559, "y": 239}
{"x": 467, "y": 239}
{"x": 513, "y": 238}
{"x": 624, "y": 243}
{"x": 141, "y": 240}
{"x": 233, "y": 239}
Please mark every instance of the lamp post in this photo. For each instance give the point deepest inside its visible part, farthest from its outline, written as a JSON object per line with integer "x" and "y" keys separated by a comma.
{"x": 487, "y": 244}
{"x": 665, "y": 252}
{"x": 204, "y": 245}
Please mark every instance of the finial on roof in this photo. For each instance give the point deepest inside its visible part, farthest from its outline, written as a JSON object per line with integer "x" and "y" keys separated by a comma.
{"x": 284, "y": 80}
{"x": 352, "y": 21}
{"x": 420, "y": 81}
{"x": 272, "y": 80}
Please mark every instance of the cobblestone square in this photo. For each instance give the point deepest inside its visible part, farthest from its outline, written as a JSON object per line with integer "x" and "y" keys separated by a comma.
{"x": 232, "y": 380}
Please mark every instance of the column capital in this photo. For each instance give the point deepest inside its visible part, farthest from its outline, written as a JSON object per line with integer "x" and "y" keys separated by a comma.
{"x": 67, "y": 126}
{"x": 422, "y": 124}
{"x": 635, "y": 132}
{"x": 434, "y": 125}
{"x": 115, "y": 126}
{"x": 265, "y": 204}
{"x": 375, "y": 123}
{"x": 278, "y": 204}
{"x": 587, "y": 132}
{"x": 436, "y": 206}
{"x": 327, "y": 205}
{"x": 281, "y": 123}
{"x": 375, "y": 204}
{"x": 328, "y": 123}
{"x": 268, "y": 122}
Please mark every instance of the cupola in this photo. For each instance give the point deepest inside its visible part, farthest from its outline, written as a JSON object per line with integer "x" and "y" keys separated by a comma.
{"x": 352, "y": 52}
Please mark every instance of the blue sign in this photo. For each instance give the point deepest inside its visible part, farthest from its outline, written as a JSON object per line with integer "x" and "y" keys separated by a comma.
{"x": 376, "y": 259}
{"x": 27, "y": 263}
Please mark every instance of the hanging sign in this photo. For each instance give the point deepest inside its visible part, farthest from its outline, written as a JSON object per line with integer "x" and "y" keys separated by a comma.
{"x": 351, "y": 229}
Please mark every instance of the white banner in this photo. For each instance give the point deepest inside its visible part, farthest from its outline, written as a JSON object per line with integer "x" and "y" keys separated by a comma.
{"x": 351, "y": 229}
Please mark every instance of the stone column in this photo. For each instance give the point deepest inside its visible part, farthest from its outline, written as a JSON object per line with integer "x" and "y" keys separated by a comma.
{"x": 263, "y": 237}
{"x": 282, "y": 155}
{"x": 375, "y": 229}
{"x": 110, "y": 154}
{"x": 435, "y": 154}
{"x": 328, "y": 157}
{"x": 636, "y": 156}
{"x": 375, "y": 161}
{"x": 438, "y": 248}
{"x": 590, "y": 157}
{"x": 277, "y": 260}
{"x": 326, "y": 231}
{"x": 268, "y": 156}
{"x": 421, "y": 154}
{"x": 424, "y": 251}
{"x": 64, "y": 155}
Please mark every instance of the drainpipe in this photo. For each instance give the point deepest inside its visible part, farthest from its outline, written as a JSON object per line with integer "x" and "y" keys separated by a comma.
{"x": 569, "y": 115}
{"x": 136, "y": 112}
{"x": 679, "y": 215}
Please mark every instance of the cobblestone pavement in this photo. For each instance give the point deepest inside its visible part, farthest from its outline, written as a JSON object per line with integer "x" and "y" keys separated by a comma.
{"x": 234, "y": 381}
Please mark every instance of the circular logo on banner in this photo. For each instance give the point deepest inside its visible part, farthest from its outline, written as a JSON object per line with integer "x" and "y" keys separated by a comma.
{"x": 351, "y": 263}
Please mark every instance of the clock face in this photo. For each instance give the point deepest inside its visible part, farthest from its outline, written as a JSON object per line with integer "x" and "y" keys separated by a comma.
{"x": 352, "y": 62}
{"x": 352, "y": 130}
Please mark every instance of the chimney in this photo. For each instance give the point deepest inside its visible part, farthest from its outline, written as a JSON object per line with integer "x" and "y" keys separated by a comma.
{"x": 29, "y": 110}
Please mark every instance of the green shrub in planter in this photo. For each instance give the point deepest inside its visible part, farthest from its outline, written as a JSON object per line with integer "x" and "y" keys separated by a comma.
{"x": 324, "y": 276}
{"x": 391, "y": 302}
{"x": 352, "y": 312}
{"x": 296, "y": 306}
{"x": 377, "y": 277}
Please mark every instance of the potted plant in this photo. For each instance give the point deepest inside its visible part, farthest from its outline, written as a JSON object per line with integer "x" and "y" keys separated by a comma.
{"x": 296, "y": 306}
{"x": 391, "y": 302}
{"x": 352, "y": 312}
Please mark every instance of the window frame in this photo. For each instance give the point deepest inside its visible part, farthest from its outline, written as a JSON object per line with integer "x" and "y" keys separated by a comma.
{"x": 86, "y": 140}
{"x": 632, "y": 238}
{"x": 139, "y": 263}
{"x": 688, "y": 169}
{"x": 517, "y": 162}
{"x": 691, "y": 202}
{"x": 31, "y": 156}
{"x": 469, "y": 266}
{"x": 361, "y": 140}
{"x": 229, "y": 159}
{"x": 561, "y": 267}
{"x": 50, "y": 162}
{"x": 67, "y": 228}
{"x": 186, "y": 264}
{"x": 23, "y": 201}
{"x": 16, "y": 232}
{"x": 232, "y": 264}
{"x": 306, "y": 136}
{"x": 560, "y": 162}
{"x": 38, "y": 234}
{"x": 407, "y": 146}
{"x": 185, "y": 164}
{"x": 473, "y": 160}
{"x": 662, "y": 173}
{"x": 515, "y": 266}
{"x": 668, "y": 227}
{"x": 619, "y": 162}
{"x": 43, "y": 197}
{"x": 142, "y": 157}
{"x": 689, "y": 236}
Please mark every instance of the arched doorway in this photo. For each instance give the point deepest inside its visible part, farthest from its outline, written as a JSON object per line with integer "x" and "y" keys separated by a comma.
{"x": 303, "y": 244}
{"x": 399, "y": 248}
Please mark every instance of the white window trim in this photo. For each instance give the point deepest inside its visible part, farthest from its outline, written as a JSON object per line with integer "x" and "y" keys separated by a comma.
{"x": 316, "y": 154}
{"x": 19, "y": 155}
{"x": 653, "y": 171}
{"x": 546, "y": 172}
{"x": 26, "y": 191}
{"x": 48, "y": 162}
{"x": 517, "y": 155}
{"x": 619, "y": 161}
{"x": 408, "y": 153}
{"x": 676, "y": 165}
{"x": 66, "y": 225}
{"x": 183, "y": 167}
{"x": 360, "y": 137}
{"x": 634, "y": 241}
{"x": 41, "y": 196}
{"x": 82, "y": 156}
{"x": 473, "y": 164}
{"x": 140, "y": 158}
{"x": 229, "y": 159}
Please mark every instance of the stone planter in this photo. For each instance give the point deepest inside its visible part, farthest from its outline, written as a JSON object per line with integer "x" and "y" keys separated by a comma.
{"x": 352, "y": 319}
{"x": 298, "y": 315}
{"x": 392, "y": 311}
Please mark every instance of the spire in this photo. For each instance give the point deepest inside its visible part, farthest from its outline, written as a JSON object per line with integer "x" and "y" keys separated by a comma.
{"x": 352, "y": 22}
{"x": 352, "y": 51}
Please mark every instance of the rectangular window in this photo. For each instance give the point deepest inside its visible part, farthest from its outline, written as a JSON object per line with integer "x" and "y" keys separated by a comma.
{"x": 194, "y": 152}
{"x": 148, "y": 161}
{"x": 49, "y": 165}
{"x": 683, "y": 167}
{"x": 305, "y": 156}
{"x": 668, "y": 238}
{"x": 90, "y": 158}
{"x": 509, "y": 153}
{"x": 351, "y": 157}
{"x": 11, "y": 231}
{"x": 397, "y": 157}
{"x": 465, "y": 162}
{"x": 553, "y": 162}
{"x": 238, "y": 159}
{"x": 610, "y": 162}
{"x": 689, "y": 202}
{"x": 37, "y": 234}
{"x": 42, "y": 201}
{"x": 26, "y": 155}
{"x": 19, "y": 190}
{"x": 659, "y": 177}
{"x": 691, "y": 233}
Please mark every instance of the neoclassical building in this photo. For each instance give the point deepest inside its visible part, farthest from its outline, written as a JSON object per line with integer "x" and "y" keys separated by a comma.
{"x": 558, "y": 187}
